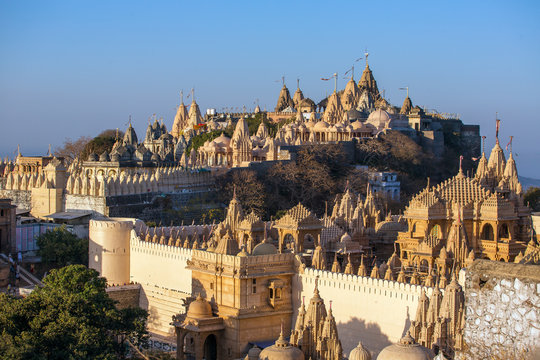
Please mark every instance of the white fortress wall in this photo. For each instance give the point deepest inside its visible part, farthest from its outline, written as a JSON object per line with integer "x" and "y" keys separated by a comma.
{"x": 165, "y": 281}
{"x": 375, "y": 311}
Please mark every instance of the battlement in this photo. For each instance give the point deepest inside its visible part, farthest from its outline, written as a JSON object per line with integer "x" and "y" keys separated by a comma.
{"x": 328, "y": 278}
{"x": 138, "y": 245}
{"x": 113, "y": 223}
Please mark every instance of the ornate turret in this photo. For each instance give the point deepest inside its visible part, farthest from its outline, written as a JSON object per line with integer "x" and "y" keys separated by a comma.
{"x": 298, "y": 95}
{"x": 241, "y": 143}
{"x": 284, "y": 99}
{"x": 334, "y": 110}
{"x": 350, "y": 96}
{"x": 367, "y": 82}
{"x": 195, "y": 117}
{"x": 407, "y": 105}
{"x": 181, "y": 118}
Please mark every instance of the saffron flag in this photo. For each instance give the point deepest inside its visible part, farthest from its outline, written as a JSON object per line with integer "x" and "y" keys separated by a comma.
{"x": 509, "y": 143}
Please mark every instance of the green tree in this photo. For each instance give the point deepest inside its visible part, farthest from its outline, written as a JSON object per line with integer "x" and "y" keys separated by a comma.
{"x": 532, "y": 198}
{"x": 59, "y": 247}
{"x": 101, "y": 143}
{"x": 70, "y": 317}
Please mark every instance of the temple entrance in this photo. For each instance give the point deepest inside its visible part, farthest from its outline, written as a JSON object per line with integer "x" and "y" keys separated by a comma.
{"x": 210, "y": 347}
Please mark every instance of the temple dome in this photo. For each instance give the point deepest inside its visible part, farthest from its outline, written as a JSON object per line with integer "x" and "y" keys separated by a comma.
{"x": 406, "y": 349}
{"x": 281, "y": 350}
{"x": 379, "y": 118}
{"x": 200, "y": 308}
{"x": 264, "y": 248}
{"x": 360, "y": 353}
{"x": 321, "y": 125}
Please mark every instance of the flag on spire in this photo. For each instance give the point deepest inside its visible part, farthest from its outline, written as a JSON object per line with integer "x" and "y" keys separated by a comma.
{"x": 509, "y": 144}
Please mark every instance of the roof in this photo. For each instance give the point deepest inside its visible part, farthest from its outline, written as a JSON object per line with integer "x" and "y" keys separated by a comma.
{"x": 69, "y": 215}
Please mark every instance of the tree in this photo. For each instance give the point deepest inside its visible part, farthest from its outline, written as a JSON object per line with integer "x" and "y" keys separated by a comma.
{"x": 532, "y": 198}
{"x": 59, "y": 247}
{"x": 72, "y": 149}
{"x": 249, "y": 190}
{"x": 101, "y": 143}
{"x": 70, "y": 317}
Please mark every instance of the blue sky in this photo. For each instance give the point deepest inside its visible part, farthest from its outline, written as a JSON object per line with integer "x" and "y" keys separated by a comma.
{"x": 75, "y": 68}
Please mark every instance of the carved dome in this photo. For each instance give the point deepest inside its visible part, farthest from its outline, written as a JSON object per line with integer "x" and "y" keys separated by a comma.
{"x": 93, "y": 157}
{"x": 379, "y": 118}
{"x": 104, "y": 157}
{"x": 360, "y": 353}
{"x": 321, "y": 125}
{"x": 281, "y": 350}
{"x": 264, "y": 248}
{"x": 406, "y": 349}
{"x": 200, "y": 308}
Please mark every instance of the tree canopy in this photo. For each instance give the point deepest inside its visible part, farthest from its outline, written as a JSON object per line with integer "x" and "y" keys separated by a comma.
{"x": 70, "y": 317}
{"x": 532, "y": 198}
{"x": 59, "y": 247}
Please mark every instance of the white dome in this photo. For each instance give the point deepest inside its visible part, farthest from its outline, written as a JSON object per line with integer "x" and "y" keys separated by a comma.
{"x": 406, "y": 349}
{"x": 360, "y": 353}
{"x": 379, "y": 118}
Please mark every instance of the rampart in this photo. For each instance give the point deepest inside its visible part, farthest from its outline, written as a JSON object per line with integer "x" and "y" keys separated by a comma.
{"x": 375, "y": 311}
{"x": 165, "y": 281}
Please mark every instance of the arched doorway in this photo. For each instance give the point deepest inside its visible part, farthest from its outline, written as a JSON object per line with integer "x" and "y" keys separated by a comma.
{"x": 487, "y": 232}
{"x": 210, "y": 347}
{"x": 288, "y": 242}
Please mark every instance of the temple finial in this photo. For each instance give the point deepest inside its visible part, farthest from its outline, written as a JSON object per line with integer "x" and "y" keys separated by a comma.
{"x": 298, "y": 83}
{"x": 366, "y": 54}
{"x": 181, "y": 96}
{"x": 497, "y": 125}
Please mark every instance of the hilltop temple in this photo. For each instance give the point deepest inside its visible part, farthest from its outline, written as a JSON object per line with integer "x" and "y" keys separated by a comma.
{"x": 465, "y": 218}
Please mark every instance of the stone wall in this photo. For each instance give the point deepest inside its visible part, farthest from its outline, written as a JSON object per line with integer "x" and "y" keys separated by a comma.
{"x": 375, "y": 311}
{"x": 21, "y": 198}
{"x": 126, "y": 295}
{"x": 165, "y": 281}
{"x": 502, "y": 317}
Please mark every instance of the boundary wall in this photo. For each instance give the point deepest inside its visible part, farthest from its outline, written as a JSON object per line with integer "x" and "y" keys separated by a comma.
{"x": 375, "y": 311}
{"x": 165, "y": 281}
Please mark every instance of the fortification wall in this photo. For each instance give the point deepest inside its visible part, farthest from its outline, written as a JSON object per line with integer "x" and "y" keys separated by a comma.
{"x": 125, "y": 295}
{"x": 165, "y": 281}
{"x": 374, "y": 311}
{"x": 502, "y": 311}
{"x": 109, "y": 250}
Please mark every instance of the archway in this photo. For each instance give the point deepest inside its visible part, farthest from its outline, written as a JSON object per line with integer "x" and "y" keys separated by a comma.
{"x": 210, "y": 347}
{"x": 504, "y": 233}
{"x": 487, "y": 232}
{"x": 288, "y": 241}
{"x": 435, "y": 231}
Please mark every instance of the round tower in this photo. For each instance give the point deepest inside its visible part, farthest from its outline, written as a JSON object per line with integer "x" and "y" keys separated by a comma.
{"x": 108, "y": 250}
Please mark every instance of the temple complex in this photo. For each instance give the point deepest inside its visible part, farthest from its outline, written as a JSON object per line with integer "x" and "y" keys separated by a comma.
{"x": 465, "y": 218}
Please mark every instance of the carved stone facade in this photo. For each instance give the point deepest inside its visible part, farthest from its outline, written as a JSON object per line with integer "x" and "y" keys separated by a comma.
{"x": 465, "y": 218}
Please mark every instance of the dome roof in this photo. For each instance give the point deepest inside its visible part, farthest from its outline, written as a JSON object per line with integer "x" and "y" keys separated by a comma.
{"x": 93, "y": 157}
{"x": 406, "y": 349}
{"x": 346, "y": 237}
{"x": 306, "y": 102}
{"x": 104, "y": 157}
{"x": 254, "y": 352}
{"x": 379, "y": 118}
{"x": 200, "y": 308}
{"x": 264, "y": 248}
{"x": 281, "y": 350}
{"x": 223, "y": 140}
{"x": 360, "y": 353}
{"x": 354, "y": 114}
{"x": 321, "y": 125}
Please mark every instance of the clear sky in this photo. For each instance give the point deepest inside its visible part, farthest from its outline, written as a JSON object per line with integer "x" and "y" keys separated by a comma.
{"x": 72, "y": 68}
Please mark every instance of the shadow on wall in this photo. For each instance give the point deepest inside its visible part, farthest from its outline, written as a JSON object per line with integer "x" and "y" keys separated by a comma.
{"x": 357, "y": 330}
{"x": 153, "y": 321}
